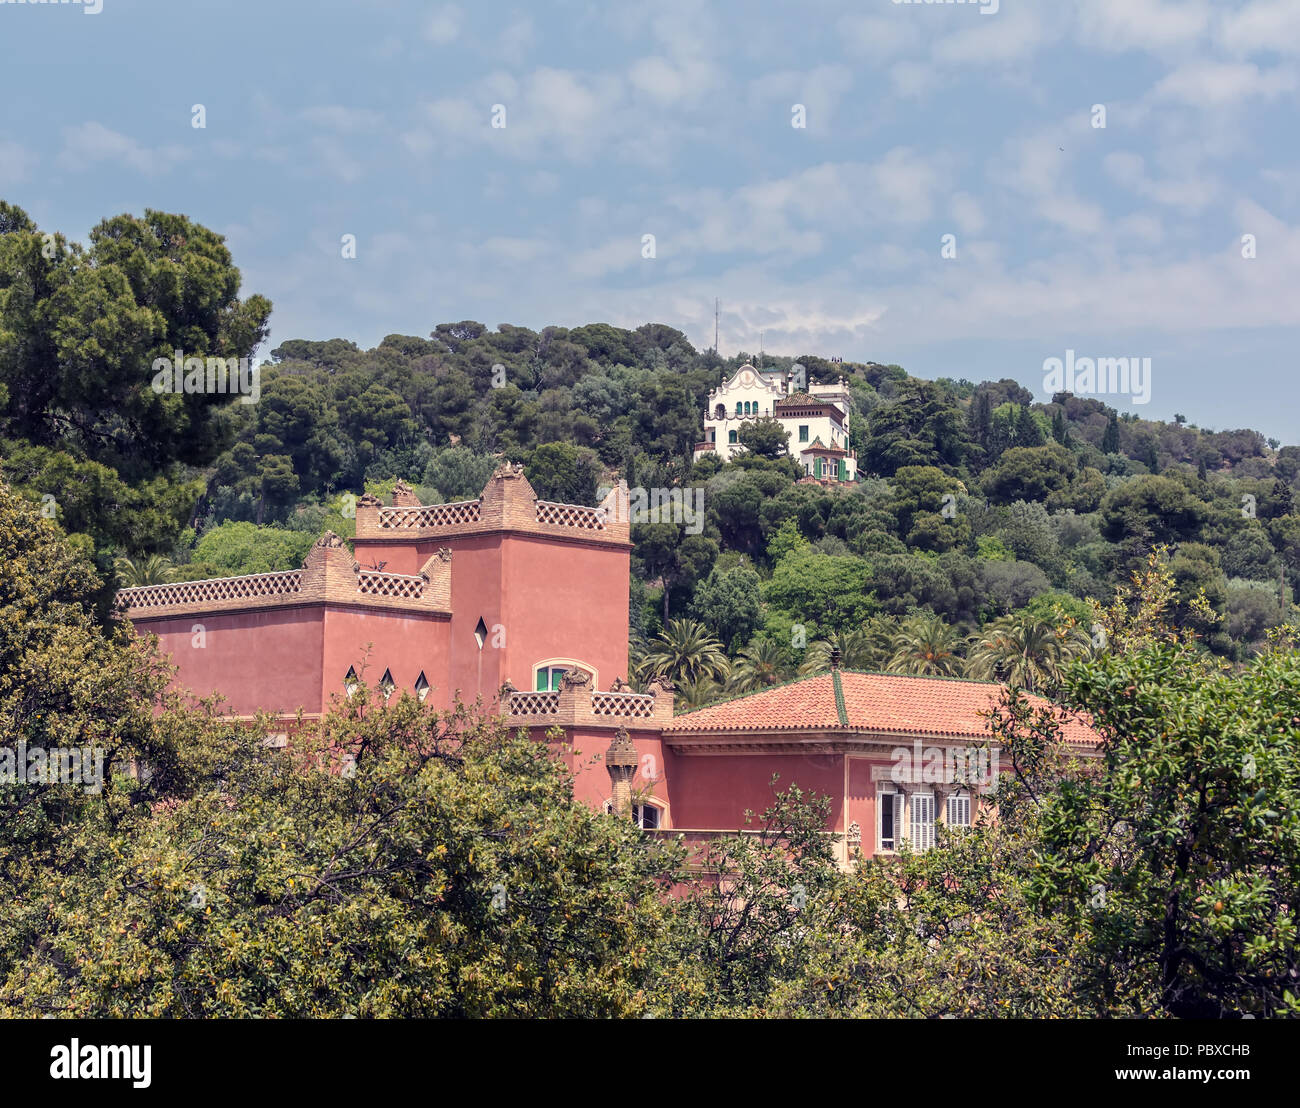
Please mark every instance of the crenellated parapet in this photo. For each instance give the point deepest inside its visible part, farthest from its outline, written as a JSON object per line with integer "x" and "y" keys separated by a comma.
{"x": 577, "y": 704}
{"x": 508, "y": 503}
{"x": 329, "y": 574}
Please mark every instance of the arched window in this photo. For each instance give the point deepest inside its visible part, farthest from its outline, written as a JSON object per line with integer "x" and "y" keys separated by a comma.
{"x": 740, "y": 408}
{"x": 548, "y": 674}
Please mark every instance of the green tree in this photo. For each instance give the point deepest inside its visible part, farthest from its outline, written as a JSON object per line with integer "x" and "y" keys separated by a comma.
{"x": 765, "y": 437}
{"x": 685, "y": 651}
{"x": 1029, "y": 473}
{"x": 80, "y": 330}
{"x": 237, "y": 548}
{"x": 762, "y": 664}
{"x": 458, "y": 473}
{"x": 925, "y": 646}
{"x": 828, "y": 591}
{"x": 1178, "y": 862}
{"x": 923, "y": 427}
{"x": 563, "y": 473}
{"x": 727, "y": 601}
{"x": 1025, "y": 651}
{"x": 154, "y": 570}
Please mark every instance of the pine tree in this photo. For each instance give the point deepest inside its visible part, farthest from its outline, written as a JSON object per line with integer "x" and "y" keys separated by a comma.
{"x": 1110, "y": 440}
{"x": 1060, "y": 432}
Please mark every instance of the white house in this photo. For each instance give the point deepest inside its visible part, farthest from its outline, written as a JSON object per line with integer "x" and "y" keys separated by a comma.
{"x": 817, "y": 420}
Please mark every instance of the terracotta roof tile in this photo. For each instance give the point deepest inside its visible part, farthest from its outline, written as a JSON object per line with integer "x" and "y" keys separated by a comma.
{"x": 872, "y": 702}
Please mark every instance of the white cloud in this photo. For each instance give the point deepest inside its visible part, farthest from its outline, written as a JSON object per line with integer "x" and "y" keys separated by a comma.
{"x": 516, "y": 40}
{"x": 878, "y": 37}
{"x": 337, "y": 160}
{"x": 1265, "y": 25}
{"x": 1034, "y": 166}
{"x": 1187, "y": 193}
{"x": 87, "y": 144}
{"x": 16, "y": 163}
{"x": 443, "y": 25}
{"x": 336, "y": 117}
{"x": 1216, "y": 84}
{"x": 966, "y": 213}
{"x": 1142, "y": 24}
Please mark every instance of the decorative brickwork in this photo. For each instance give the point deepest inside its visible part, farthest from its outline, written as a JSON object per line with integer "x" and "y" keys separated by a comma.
{"x": 329, "y": 574}
{"x": 217, "y": 591}
{"x": 428, "y": 516}
{"x": 576, "y": 703}
{"x": 622, "y": 705}
{"x": 570, "y": 515}
{"x": 388, "y": 584}
{"x": 508, "y": 503}
{"x": 531, "y": 704}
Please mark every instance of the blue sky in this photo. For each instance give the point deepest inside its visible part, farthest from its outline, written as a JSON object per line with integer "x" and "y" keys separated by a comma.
{"x": 674, "y": 119}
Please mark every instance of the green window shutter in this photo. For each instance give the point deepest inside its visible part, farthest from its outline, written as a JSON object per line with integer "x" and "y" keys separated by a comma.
{"x": 803, "y": 433}
{"x": 739, "y": 407}
{"x": 731, "y": 436}
{"x": 541, "y": 680}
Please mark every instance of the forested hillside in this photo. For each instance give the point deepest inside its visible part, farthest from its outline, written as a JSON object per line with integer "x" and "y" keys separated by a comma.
{"x": 981, "y": 524}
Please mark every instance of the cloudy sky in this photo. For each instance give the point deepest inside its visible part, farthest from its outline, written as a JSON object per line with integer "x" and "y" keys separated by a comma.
{"x": 673, "y": 118}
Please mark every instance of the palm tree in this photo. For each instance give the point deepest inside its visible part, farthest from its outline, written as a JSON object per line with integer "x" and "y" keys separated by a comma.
{"x": 696, "y": 694}
{"x": 926, "y": 646}
{"x": 1026, "y": 651}
{"x": 154, "y": 570}
{"x": 759, "y": 666}
{"x": 862, "y": 649}
{"x": 685, "y": 652}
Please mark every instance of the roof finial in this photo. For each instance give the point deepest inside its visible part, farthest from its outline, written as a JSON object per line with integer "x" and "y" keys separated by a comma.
{"x": 835, "y": 657}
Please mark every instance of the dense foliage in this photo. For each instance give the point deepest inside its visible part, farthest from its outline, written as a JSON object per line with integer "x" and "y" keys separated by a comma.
{"x": 400, "y": 861}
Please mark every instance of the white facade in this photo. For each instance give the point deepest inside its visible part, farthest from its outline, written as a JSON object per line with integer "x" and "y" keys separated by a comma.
{"x": 815, "y": 418}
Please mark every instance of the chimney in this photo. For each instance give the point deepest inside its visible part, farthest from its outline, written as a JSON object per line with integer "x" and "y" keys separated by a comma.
{"x": 621, "y": 762}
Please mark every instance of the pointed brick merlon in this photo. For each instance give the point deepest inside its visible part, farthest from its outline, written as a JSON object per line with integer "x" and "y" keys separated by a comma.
{"x": 330, "y": 574}
{"x": 404, "y": 496}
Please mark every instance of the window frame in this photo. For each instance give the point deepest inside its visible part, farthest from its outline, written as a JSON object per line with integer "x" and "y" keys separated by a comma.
{"x": 963, "y": 800}
{"x": 565, "y": 665}
{"x": 918, "y": 803}
{"x": 897, "y": 807}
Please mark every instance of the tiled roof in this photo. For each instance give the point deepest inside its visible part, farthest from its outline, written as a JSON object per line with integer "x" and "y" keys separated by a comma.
{"x": 819, "y": 447}
{"x": 871, "y": 702}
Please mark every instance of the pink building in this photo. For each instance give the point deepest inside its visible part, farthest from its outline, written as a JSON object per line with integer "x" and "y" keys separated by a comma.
{"x": 523, "y": 603}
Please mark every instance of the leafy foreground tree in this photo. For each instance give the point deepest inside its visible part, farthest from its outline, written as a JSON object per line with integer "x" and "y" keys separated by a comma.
{"x": 1180, "y": 861}
{"x": 408, "y": 863}
{"x": 393, "y": 862}
{"x": 399, "y": 861}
